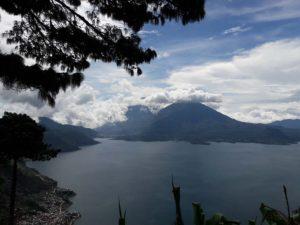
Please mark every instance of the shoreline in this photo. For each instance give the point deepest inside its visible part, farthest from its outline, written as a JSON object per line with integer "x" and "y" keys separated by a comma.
{"x": 39, "y": 199}
{"x": 53, "y": 209}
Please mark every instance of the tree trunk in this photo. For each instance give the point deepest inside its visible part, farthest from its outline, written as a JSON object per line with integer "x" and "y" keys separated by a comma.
{"x": 13, "y": 192}
{"x": 176, "y": 194}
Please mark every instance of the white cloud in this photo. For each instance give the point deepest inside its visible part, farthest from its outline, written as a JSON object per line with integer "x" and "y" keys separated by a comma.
{"x": 236, "y": 30}
{"x": 80, "y": 106}
{"x": 275, "y": 61}
{"x": 171, "y": 95}
{"x": 204, "y": 45}
{"x": 103, "y": 19}
{"x": 6, "y": 23}
{"x": 258, "y": 85}
{"x": 165, "y": 54}
{"x": 268, "y": 113}
{"x": 86, "y": 105}
{"x": 265, "y": 11}
{"x": 144, "y": 33}
{"x": 265, "y": 77}
{"x": 14, "y": 97}
{"x": 282, "y": 10}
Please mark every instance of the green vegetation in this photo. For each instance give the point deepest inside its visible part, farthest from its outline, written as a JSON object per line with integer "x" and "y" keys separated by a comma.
{"x": 269, "y": 215}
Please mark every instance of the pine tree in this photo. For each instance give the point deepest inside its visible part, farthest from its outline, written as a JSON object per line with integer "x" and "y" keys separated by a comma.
{"x": 56, "y": 34}
{"x": 21, "y": 138}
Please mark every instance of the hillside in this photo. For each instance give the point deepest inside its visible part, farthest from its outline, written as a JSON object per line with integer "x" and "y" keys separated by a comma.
{"x": 39, "y": 200}
{"x": 67, "y": 137}
{"x": 197, "y": 123}
{"x": 292, "y": 124}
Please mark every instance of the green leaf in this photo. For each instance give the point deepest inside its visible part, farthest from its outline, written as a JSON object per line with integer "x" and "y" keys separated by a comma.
{"x": 273, "y": 216}
{"x": 252, "y": 222}
{"x": 199, "y": 217}
{"x": 215, "y": 220}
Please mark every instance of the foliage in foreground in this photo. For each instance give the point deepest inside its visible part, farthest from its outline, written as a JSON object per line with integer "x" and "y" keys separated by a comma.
{"x": 62, "y": 36}
{"x": 21, "y": 138}
{"x": 269, "y": 215}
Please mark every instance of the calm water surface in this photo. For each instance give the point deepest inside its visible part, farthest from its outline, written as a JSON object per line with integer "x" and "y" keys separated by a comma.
{"x": 228, "y": 178}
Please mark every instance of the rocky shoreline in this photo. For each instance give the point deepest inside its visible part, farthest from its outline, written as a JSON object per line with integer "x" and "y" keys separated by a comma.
{"x": 39, "y": 200}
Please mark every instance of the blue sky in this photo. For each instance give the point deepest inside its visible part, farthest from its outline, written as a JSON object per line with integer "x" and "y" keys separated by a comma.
{"x": 242, "y": 59}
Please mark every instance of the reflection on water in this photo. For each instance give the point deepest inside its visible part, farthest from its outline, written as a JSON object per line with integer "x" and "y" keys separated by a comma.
{"x": 229, "y": 178}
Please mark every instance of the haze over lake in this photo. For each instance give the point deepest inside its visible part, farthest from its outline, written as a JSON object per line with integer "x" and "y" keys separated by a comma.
{"x": 229, "y": 178}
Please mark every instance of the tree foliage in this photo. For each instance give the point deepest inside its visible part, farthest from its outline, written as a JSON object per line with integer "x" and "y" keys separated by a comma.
{"x": 22, "y": 138}
{"x": 48, "y": 82}
{"x": 55, "y": 33}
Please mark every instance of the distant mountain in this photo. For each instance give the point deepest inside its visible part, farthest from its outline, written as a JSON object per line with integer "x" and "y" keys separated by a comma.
{"x": 195, "y": 123}
{"x": 293, "y": 124}
{"x": 138, "y": 119}
{"x": 67, "y": 137}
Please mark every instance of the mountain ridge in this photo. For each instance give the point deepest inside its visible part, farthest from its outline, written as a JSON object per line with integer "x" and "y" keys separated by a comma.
{"x": 287, "y": 123}
{"x": 67, "y": 137}
{"x": 199, "y": 124}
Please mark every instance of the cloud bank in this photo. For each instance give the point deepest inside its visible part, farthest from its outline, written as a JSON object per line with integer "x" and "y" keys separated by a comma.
{"x": 85, "y": 105}
{"x": 258, "y": 85}
{"x": 266, "y": 77}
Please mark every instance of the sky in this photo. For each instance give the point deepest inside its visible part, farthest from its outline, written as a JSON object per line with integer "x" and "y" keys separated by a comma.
{"x": 243, "y": 60}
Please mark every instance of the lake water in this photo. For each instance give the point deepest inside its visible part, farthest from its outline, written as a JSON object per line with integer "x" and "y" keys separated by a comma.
{"x": 229, "y": 178}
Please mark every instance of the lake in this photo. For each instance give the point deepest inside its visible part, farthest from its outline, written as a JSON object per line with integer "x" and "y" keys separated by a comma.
{"x": 229, "y": 178}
